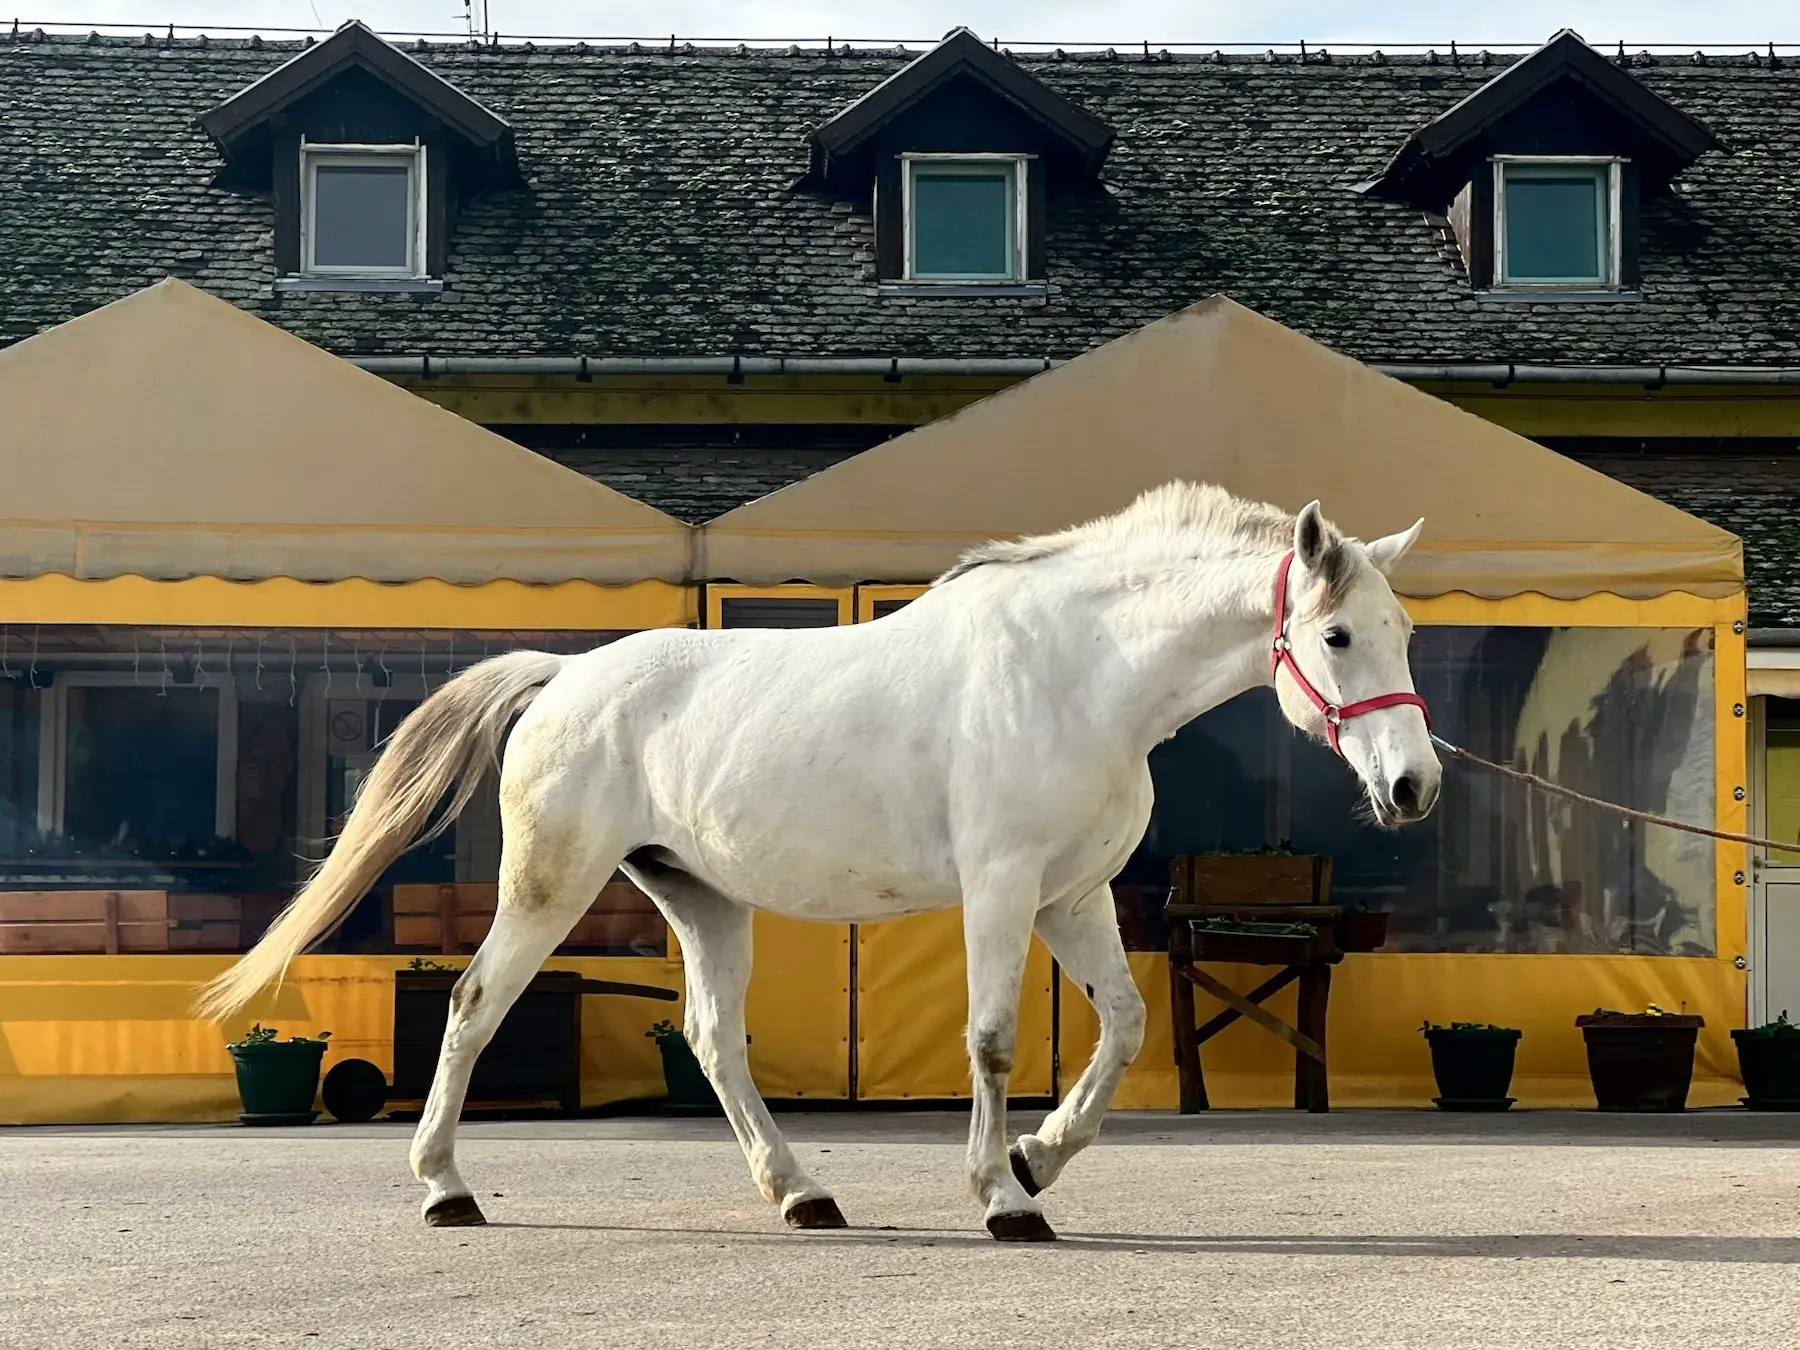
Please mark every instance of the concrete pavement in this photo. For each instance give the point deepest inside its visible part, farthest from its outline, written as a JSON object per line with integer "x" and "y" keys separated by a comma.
{"x": 1379, "y": 1230}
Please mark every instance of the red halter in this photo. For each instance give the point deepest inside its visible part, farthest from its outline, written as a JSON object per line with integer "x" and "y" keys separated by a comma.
{"x": 1281, "y": 654}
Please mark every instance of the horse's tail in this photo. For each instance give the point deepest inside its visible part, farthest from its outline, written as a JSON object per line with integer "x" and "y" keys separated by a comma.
{"x": 449, "y": 741}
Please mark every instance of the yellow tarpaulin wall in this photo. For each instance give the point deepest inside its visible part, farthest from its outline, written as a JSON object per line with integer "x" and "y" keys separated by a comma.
{"x": 113, "y": 1038}
{"x": 912, "y": 1003}
{"x": 1378, "y": 1058}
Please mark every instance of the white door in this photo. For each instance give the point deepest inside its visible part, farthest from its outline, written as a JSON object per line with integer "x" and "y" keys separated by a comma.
{"x": 1781, "y": 947}
{"x": 1775, "y": 985}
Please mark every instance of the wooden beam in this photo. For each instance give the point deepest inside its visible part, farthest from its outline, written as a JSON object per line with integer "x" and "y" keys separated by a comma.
{"x": 1270, "y": 1023}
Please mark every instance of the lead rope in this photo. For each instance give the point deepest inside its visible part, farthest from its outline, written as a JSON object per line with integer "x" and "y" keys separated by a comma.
{"x": 1558, "y": 790}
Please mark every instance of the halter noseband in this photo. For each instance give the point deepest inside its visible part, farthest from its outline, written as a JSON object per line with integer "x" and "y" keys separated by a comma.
{"x": 1281, "y": 654}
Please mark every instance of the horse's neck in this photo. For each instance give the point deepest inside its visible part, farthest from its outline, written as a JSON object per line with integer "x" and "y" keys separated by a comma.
{"x": 1167, "y": 645}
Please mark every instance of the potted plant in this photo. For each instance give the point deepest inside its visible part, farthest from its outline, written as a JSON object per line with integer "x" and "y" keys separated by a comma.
{"x": 682, "y": 1074}
{"x": 1473, "y": 1065}
{"x": 1640, "y": 1061}
{"x": 1769, "y": 1062}
{"x": 277, "y": 1080}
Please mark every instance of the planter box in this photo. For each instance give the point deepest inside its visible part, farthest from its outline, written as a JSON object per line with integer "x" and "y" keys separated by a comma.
{"x": 1473, "y": 1066}
{"x": 1640, "y": 1062}
{"x": 1251, "y": 879}
{"x": 1256, "y": 949}
{"x": 535, "y": 1055}
{"x": 1770, "y": 1066}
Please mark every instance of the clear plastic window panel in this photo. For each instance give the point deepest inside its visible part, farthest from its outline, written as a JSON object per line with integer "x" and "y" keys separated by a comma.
{"x": 1626, "y": 715}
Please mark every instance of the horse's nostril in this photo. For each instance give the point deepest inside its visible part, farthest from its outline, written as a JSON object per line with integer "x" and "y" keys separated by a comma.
{"x": 1406, "y": 794}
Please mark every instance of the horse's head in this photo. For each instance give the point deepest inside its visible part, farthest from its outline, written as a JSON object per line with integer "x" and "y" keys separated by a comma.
{"x": 1343, "y": 675}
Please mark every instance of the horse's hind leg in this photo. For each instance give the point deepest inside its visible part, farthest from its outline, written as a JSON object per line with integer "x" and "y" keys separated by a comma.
{"x": 1083, "y": 936}
{"x": 716, "y": 949}
{"x": 549, "y": 875}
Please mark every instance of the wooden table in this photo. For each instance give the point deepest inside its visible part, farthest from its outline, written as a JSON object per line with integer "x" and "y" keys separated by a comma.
{"x": 1304, "y": 957}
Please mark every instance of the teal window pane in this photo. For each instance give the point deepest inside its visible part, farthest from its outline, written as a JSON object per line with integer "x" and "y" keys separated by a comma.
{"x": 1557, "y": 224}
{"x": 361, "y": 216}
{"x": 962, "y": 223}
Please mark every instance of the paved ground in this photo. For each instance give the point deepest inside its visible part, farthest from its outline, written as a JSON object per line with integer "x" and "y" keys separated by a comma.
{"x": 1380, "y": 1230}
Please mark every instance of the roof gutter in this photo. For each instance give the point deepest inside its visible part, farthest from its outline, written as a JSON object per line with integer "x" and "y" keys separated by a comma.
{"x": 1512, "y": 372}
{"x": 1773, "y": 637}
{"x": 731, "y": 367}
{"x": 1019, "y": 367}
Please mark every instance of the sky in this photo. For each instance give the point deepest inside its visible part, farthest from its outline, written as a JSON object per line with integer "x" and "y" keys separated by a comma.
{"x": 1726, "y": 24}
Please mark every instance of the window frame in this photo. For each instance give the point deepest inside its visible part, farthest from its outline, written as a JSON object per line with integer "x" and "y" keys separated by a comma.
{"x": 315, "y": 154}
{"x": 1018, "y": 167}
{"x": 53, "y": 742}
{"x": 1614, "y": 260}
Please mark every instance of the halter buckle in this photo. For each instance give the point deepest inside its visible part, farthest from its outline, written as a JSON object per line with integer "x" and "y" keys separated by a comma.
{"x": 1334, "y": 714}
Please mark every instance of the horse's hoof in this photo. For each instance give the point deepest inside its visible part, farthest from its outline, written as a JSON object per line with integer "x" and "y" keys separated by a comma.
{"x": 822, "y": 1212}
{"x": 456, "y": 1211}
{"x": 1022, "y": 1171}
{"x": 1024, "y": 1227}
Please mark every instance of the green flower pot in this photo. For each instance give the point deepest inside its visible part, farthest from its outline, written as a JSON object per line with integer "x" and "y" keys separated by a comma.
{"x": 683, "y": 1076}
{"x": 1770, "y": 1066}
{"x": 278, "y": 1080}
{"x": 1473, "y": 1066}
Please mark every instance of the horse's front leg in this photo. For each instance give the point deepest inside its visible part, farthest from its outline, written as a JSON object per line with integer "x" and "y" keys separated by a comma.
{"x": 1083, "y": 936}
{"x": 997, "y": 935}
{"x": 716, "y": 949}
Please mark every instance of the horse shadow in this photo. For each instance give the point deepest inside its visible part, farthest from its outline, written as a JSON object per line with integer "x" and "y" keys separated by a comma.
{"x": 1687, "y": 1247}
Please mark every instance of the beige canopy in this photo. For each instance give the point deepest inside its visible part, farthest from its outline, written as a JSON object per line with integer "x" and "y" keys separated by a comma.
{"x": 172, "y": 435}
{"x": 1218, "y": 393}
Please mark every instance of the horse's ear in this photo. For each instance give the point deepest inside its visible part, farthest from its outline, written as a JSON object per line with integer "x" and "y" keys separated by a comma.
{"x": 1387, "y": 551}
{"x": 1312, "y": 537}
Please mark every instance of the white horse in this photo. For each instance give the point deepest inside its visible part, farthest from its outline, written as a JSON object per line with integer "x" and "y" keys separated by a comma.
{"x": 985, "y": 746}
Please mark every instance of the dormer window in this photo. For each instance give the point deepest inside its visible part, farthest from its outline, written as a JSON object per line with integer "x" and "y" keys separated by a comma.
{"x": 965, "y": 217}
{"x": 1556, "y": 223}
{"x": 365, "y": 157}
{"x": 960, "y": 156}
{"x": 1542, "y": 173}
{"x": 363, "y": 210}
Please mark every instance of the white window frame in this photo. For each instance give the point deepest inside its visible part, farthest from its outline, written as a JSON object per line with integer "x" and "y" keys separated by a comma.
{"x": 313, "y": 155}
{"x": 53, "y": 742}
{"x": 1615, "y": 167}
{"x": 970, "y": 163}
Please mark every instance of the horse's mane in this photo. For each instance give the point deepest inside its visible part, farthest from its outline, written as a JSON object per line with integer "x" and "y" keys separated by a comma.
{"x": 1180, "y": 515}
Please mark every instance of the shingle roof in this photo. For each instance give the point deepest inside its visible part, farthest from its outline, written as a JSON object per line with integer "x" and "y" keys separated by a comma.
{"x": 663, "y": 217}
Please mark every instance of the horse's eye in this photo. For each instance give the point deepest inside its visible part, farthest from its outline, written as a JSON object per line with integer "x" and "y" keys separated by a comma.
{"x": 1336, "y": 637}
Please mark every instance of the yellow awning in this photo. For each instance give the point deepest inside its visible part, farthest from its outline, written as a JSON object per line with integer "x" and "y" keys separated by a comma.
{"x": 171, "y": 435}
{"x": 1218, "y": 393}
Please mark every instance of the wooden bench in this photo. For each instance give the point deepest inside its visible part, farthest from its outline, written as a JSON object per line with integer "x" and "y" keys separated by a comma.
{"x": 454, "y": 917}
{"x": 77, "y": 922}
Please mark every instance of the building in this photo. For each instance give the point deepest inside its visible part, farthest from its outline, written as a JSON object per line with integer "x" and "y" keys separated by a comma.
{"x": 697, "y": 275}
